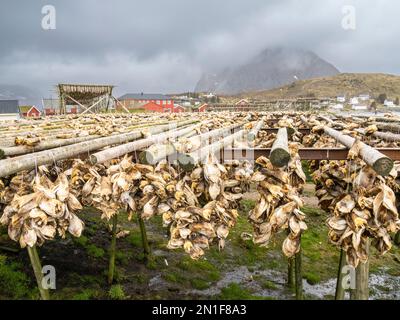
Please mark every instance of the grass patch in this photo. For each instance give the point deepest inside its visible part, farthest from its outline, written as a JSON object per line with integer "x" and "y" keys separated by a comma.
{"x": 94, "y": 251}
{"x": 135, "y": 239}
{"x": 235, "y": 292}
{"x": 312, "y": 278}
{"x": 82, "y": 240}
{"x": 86, "y": 294}
{"x": 269, "y": 285}
{"x": 246, "y": 205}
{"x": 123, "y": 257}
{"x": 14, "y": 283}
{"x": 199, "y": 284}
{"x": 116, "y": 292}
{"x": 174, "y": 277}
{"x": 201, "y": 268}
{"x": 311, "y": 211}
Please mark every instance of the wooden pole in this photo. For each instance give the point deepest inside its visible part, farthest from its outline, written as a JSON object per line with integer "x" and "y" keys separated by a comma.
{"x": 397, "y": 238}
{"x": 339, "y": 293}
{"x": 291, "y": 275}
{"x": 392, "y": 127}
{"x": 252, "y": 135}
{"x": 29, "y": 161}
{"x": 126, "y": 148}
{"x": 189, "y": 160}
{"x": 93, "y": 105}
{"x": 379, "y": 162}
{"x": 37, "y": 269}
{"x": 298, "y": 276}
{"x": 387, "y": 136}
{"x": 202, "y": 139}
{"x": 156, "y": 153}
{"x": 80, "y": 104}
{"x": 111, "y": 266}
{"x": 145, "y": 242}
{"x": 362, "y": 275}
{"x": 280, "y": 155}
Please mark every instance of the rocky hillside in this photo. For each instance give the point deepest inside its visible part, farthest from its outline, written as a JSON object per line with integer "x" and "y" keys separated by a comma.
{"x": 349, "y": 84}
{"x": 270, "y": 69}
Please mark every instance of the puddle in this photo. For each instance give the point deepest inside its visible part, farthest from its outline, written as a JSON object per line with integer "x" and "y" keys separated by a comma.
{"x": 382, "y": 285}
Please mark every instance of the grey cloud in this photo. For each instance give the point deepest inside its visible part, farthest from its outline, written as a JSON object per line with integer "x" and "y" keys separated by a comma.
{"x": 165, "y": 45}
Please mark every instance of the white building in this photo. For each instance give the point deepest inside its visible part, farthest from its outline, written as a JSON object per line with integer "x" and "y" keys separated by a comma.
{"x": 209, "y": 95}
{"x": 337, "y": 106}
{"x": 354, "y": 101}
{"x": 389, "y": 103}
{"x": 341, "y": 99}
{"x": 364, "y": 97}
{"x": 359, "y": 107}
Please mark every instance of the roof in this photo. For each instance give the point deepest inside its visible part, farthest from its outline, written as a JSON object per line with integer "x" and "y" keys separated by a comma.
{"x": 8, "y": 106}
{"x": 24, "y": 109}
{"x": 144, "y": 96}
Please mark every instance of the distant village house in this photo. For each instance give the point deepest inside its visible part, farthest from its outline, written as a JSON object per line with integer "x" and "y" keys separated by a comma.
{"x": 341, "y": 99}
{"x": 51, "y": 107}
{"x": 148, "y": 102}
{"x": 389, "y": 103}
{"x": 29, "y": 112}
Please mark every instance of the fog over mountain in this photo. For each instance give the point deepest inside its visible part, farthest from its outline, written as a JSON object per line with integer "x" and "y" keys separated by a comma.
{"x": 269, "y": 69}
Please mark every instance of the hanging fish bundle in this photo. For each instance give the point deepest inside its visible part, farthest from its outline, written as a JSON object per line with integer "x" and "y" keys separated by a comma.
{"x": 158, "y": 191}
{"x": 332, "y": 180}
{"x": 279, "y": 206}
{"x": 109, "y": 187}
{"x": 369, "y": 211}
{"x": 361, "y": 204}
{"x": 393, "y": 179}
{"x": 40, "y": 209}
{"x": 194, "y": 227}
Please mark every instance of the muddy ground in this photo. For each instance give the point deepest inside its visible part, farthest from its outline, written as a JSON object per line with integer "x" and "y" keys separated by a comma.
{"x": 241, "y": 271}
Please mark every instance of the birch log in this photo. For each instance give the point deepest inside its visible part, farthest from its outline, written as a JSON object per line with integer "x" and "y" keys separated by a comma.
{"x": 44, "y": 145}
{"x": 29, "y": 161}
{"x": 378, "y": 161}
{"x": 252, "y": 135}
{"x": 126, "y": 148}
{"x": 157, "y": 152}
{"x": 392, "y": 127}
{"x": 387, "y": 136}
{"x": 304, "y": 120}
{"x": 280, "y": 155}
{"x": 189, "y": 160}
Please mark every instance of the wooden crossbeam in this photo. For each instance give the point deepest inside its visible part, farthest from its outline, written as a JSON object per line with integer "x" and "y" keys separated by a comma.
{"x": 80, "y": 104}
{"x": 93, "y": 105}
{"x": 304, "y": 153}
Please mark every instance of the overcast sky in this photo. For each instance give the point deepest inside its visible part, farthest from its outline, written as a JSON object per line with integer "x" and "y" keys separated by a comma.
{"x": 165, "y": 45}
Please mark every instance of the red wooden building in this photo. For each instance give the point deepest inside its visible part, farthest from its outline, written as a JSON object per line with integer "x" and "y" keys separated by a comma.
{"x": 149, "y": 102}
{"x": 203, "y": 108}
{"x": 29, "y": 112}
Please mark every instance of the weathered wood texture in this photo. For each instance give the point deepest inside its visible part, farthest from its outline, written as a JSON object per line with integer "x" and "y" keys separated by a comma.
{"x": 280, "y": 155}
{"x": 379, "y": 162}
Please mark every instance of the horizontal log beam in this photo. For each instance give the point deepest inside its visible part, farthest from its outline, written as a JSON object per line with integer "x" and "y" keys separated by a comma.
{"x": 275, "y": 130}
{"x": 378, "y": 161}
{"x": 30, "y": 161}
{"x": 306, "y": 153}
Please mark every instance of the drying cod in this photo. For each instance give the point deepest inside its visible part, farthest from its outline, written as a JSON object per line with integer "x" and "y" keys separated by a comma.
{"x": 279, "y": 205}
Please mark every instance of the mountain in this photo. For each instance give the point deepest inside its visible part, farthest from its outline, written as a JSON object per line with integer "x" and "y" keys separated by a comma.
{"x": 270, "y": 69}
{"x": 349, "y": 84}
{"x": 24, "y": 95}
